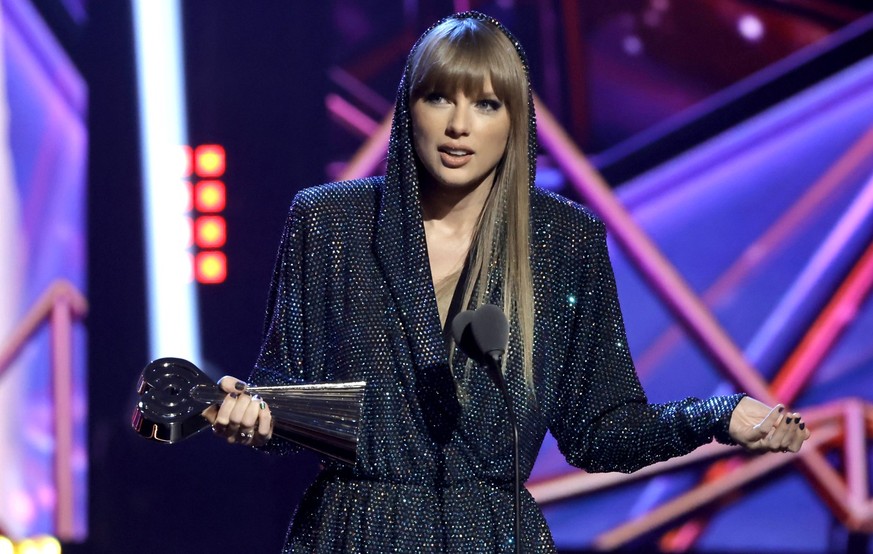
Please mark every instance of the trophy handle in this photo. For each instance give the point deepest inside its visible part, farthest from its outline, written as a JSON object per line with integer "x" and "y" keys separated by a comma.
{"x": 323, "y": 417}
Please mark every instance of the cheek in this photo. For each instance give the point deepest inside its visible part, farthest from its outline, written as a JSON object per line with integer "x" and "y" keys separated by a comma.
{"x": 500, "y": 139}
{"x": 420, "y": 137}
{"x": 500, "y": 133}
{"x": 422, "y": 152}
{"x": 417, "y": 139}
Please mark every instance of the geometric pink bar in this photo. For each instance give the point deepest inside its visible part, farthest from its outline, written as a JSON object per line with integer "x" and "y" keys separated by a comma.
{"x": 60, "y": 304}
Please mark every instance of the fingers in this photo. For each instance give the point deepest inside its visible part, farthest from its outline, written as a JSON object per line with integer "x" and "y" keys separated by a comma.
{"x": 250, "y": 414}
{"x": 796, "y": 435}
{"x": 769, "y": 424}
{"x": 789, "y": 435}
{"x": 231, "y": 384}
{"x": 264, "y": 431}
{"x": 237, "y": 414}
{"x": 776, "y": 431}
{"x": 780, "y": 436}
{"x": 241, "y": 418}
{"x": 221, "y": 423}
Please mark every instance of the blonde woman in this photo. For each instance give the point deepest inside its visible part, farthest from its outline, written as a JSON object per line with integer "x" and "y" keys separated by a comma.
{"x": 371, "y": 272}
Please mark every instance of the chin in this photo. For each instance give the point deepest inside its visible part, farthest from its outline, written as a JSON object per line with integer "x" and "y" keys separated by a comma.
{"x": 458, "y": 182}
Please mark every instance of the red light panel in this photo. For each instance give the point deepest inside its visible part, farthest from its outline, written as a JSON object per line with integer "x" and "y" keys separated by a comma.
{"x": 210, "y": 267}
{"x": 209, "y": 196}
{"x": 209, "y": 160}
{"x": 210, "y": 231}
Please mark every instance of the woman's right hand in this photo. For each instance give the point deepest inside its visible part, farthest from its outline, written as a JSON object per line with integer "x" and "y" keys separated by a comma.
{"x": 241, "y": 418}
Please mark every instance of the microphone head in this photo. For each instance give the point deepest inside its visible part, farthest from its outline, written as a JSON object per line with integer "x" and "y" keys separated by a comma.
{"x": 490, "y": 330}
{"x": 463, "y": 336}
{"x": 460, "y": 323}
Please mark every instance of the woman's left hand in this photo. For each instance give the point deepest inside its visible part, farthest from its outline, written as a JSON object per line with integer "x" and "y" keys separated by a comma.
{"x": 758, "y": 427}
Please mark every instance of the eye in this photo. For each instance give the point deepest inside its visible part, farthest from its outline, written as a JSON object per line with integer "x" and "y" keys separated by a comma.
{"x": 435, "y": 98}
{"x": 489, "y": 104}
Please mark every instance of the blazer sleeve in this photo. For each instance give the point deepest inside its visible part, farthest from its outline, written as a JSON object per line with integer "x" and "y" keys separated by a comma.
{"x": 284, "y": 358}
{"x": 604, "y": 421}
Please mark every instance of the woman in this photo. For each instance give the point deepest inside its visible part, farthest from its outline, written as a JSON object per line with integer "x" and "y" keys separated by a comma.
{"x": 371, "y": 272}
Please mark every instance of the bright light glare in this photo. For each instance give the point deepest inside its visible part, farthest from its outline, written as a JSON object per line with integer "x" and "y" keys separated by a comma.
{"x": 209, "y": 160}
{"x": 172, "y": 298}
{"x": 210, "y": 196}
{"x": 632, "y": 45}
{"x": 39, "y": 545}
{"x": 211, "y": 267}
{"x": 751, "y": 27}
{"x": 210, "y": 231}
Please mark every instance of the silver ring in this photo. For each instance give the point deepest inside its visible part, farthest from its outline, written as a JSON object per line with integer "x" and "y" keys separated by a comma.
{"x": 247, "y": 435}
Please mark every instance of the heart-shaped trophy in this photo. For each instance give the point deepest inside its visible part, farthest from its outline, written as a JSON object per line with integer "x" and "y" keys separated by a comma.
{"x": 323, "y": 417}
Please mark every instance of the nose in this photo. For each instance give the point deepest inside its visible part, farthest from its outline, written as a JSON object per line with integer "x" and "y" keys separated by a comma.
{"x": 459, "y": 122}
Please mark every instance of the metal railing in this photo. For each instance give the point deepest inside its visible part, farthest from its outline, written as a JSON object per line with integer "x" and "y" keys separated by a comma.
{"x": 59, "y": 306}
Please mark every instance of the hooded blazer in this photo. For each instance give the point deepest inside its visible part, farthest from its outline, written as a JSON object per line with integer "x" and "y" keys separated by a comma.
{"x": 352, "y": 299}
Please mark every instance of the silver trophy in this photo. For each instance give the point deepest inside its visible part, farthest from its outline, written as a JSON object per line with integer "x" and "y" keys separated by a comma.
{"x": 324, "y": 417}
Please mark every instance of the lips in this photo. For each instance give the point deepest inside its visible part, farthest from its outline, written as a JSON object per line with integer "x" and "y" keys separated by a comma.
{"x": 455, "y": 156}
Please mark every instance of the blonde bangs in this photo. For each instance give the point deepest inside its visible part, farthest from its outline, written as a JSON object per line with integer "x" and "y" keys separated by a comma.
{"x": 460, "y": 57}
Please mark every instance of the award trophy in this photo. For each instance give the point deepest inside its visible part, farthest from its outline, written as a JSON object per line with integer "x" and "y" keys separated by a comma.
{"x": 324, "y": 417}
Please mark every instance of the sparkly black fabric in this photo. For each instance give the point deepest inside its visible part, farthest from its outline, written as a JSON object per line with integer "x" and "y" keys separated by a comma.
{"x": 352, "y": 299}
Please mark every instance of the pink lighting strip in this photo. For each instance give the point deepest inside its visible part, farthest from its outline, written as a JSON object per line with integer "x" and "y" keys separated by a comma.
{"x": 824, "y": 332}
{"x": 350, "y": 116}
{"x": 60, "y": 304}
{"x": 836, "y": 242}
{"x": 367, "y": 159}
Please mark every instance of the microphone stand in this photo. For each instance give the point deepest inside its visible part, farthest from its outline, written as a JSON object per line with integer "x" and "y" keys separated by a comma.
{"x": 493, "y": 360}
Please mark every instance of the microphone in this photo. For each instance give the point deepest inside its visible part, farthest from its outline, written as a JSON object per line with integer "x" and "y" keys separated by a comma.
{"x": 463, "y": 335}
{"x": 483, "y": 336}
{"x": 490, "y": 330}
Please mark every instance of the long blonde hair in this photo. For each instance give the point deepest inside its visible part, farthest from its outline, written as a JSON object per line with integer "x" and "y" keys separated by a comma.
{"x": 458, "y": 54}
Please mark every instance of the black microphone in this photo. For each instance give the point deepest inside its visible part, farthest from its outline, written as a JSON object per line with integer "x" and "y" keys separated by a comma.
{"x": 490, "y": 330}
{"x": 463, "y": 335}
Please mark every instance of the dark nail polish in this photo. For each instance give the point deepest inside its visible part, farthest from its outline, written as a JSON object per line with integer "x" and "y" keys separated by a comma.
{"x": 240, "y": 386}
{"x": 234, "y": 395}
{"x": 788, "y": 420}
{"x": 802, "y": 426}
{"x": 782, "y": 409}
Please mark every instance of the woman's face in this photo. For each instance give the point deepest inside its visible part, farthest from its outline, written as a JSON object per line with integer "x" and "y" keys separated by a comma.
{"x": 460, "y": 139}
